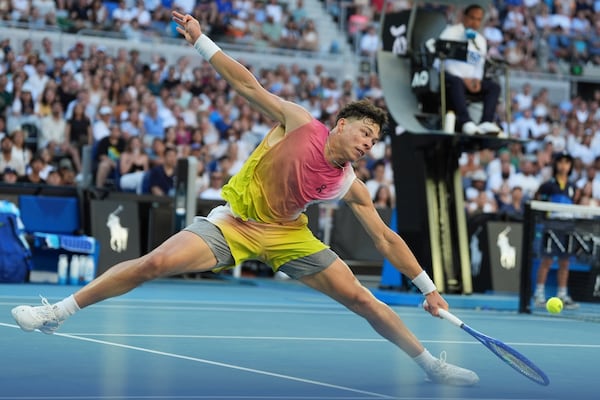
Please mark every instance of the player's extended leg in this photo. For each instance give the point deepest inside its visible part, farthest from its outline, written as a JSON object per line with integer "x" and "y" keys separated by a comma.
{"x": 183, "y": 252}
{"x": 338, "y": 282}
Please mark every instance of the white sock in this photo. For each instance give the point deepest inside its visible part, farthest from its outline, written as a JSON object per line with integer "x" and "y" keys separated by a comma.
{"x": 539, "y": 290}
{"x": 66, "y": 307}
{"x": 562, "y": 292}
{"x": 425, "y": 360}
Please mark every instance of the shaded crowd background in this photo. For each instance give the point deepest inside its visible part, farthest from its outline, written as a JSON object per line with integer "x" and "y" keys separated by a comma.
{"x": 140, "y": 118}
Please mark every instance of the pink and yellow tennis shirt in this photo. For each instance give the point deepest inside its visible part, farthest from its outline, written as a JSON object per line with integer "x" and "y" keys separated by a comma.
{"x": 264, "y": 216}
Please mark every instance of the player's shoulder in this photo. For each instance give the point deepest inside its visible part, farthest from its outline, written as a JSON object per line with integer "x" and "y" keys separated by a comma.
{"x": 295, "y": 115}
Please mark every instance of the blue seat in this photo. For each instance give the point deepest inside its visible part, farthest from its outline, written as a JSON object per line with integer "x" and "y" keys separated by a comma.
{"x": 110, "y": 7}
{"x": 51, "y": 214}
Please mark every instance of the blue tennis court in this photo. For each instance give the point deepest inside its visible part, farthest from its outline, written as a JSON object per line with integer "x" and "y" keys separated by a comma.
{"x": 266, "y": 339}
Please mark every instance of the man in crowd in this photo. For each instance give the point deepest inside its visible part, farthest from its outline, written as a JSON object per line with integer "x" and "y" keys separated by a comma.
{"x": 467, "y": 77}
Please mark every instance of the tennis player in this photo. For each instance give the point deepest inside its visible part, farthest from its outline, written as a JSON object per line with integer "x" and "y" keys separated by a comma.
{"x": 299, "y": 162}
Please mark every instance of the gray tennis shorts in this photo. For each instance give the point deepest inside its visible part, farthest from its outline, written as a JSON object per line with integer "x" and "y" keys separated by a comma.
{"x": 296, "y": 269}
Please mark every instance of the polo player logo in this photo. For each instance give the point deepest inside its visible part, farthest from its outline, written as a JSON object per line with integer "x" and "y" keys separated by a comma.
{"x": 508, "y": 253}
{"x": 118, "y": 234}
{"x": 476, "y": 256}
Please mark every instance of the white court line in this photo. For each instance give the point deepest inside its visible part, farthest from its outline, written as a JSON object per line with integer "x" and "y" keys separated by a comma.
{"x": 322, "y": 339}
{"x": 239, "y": 397}
{"x": 270, "y": 308}
{"x": 125, "y": 302}
{"x": 260, "y": 372}
{"x": 327, "y": 309}
{"x": 212, "y": 397}
{"x": 200, "y": 397}
{"x": 228, "y": 308}
{"x": 403, "y": 312}
{"x": 83, "y": 335}
{"x": 217, "y": 363}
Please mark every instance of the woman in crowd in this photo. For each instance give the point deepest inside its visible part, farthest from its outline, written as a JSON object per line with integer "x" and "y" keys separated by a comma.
{"x": 133, "y": 164}
{"x": 79, "y": 128}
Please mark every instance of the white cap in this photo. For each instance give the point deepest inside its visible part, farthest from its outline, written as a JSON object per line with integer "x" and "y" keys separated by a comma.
{"x": 105, "y": 110}
{"x": 479, "y": 175}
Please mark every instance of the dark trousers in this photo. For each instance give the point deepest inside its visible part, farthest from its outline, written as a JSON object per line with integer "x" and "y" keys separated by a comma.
{"x": 457, "y": 96}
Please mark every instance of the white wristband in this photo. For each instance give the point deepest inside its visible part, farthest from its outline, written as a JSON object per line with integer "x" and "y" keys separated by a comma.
{"x": 206, "y": 47}
{"x": 424, "y": 283}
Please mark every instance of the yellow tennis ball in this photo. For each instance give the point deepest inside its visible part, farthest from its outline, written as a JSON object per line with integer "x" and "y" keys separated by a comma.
{"x": 554, "y": 305}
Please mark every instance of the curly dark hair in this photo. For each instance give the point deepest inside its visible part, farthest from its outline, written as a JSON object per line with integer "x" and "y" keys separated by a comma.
{"x": 472, "y": 7}
{"x": 362, "y": 109}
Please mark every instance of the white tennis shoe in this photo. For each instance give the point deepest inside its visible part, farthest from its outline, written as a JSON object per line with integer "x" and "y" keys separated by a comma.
{"x": 442, "y": 372}
{"x": 41, "y": 317}
{"x": 568, "y": 303}
{"x": 470, "y": 128}
{"x": 539, "y": 301}
{"x": 489, "y": 127}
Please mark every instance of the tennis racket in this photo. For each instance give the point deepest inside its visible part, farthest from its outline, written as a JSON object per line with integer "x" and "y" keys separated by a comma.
{"x": 506, "y": 353}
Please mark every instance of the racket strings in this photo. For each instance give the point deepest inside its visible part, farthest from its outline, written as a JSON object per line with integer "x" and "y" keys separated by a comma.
{"x": 518, "y": 363}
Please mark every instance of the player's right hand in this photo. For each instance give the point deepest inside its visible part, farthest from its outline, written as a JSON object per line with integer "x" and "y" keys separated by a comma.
{"x": 188, "y": 26}
{"x": 433, "y": 302}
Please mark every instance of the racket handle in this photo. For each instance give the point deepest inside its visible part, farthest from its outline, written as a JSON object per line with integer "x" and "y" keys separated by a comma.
{"x": 448, "y": 316}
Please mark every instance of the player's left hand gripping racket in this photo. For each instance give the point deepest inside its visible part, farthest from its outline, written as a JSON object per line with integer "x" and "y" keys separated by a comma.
{"x": 506, "y": 353}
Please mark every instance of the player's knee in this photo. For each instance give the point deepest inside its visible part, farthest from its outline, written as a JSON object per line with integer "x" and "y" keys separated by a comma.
{"x": 153, "y": 265}
{"x": 362, "y": 302}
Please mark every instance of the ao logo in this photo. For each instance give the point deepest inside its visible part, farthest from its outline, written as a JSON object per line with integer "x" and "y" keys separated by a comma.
{"x": 420, "y": 78}
{"x": 400, "y": 44}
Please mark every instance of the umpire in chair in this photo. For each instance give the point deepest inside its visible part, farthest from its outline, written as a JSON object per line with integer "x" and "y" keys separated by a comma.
{"x": 465, "y": 79}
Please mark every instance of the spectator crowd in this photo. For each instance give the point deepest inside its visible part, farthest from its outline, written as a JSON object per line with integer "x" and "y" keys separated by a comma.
{"x": 140, "y": 118}
{"x": 258, "y": 23}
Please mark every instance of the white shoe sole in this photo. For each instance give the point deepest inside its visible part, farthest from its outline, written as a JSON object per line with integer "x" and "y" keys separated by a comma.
{"x": 17, "y": 312}
{"x": 23, "y": 317}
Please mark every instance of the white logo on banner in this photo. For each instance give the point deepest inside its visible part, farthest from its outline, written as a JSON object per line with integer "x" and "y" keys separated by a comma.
{"x": 118, "y": 234}
{"x": 508, "y": 253}
{"x": 597, "y": 286}
{"x": 476, "y": 256}
{"x": 420, "y": 79}
{"x": 400, "y": 44}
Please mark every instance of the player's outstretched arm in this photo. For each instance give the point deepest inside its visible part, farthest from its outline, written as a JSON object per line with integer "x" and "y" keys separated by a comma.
{"x": 392, "y": 246}
{"x": 240, "y": 79}
{"x": 238, "y": 76}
